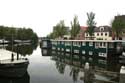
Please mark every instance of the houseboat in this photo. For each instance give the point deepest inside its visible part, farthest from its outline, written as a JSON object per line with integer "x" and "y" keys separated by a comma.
{"x": 99, "y": 48}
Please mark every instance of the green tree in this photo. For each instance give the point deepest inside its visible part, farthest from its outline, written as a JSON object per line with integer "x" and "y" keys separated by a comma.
{"x": 75, "y": 27}
{"x": 60, "y": 30}
{"x": 118, "y": 25}
{"x": 91, "y": 23}
{"x": 18, "y": 33}
{"x": 1, "y": 32}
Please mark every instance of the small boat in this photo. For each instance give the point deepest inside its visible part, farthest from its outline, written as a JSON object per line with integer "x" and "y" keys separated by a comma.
{"x": 11, "y": 66}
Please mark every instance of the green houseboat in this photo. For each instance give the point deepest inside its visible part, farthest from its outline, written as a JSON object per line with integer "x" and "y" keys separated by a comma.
{"x": 101, "y": 48}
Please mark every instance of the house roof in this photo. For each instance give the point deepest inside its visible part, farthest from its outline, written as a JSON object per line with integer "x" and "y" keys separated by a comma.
{"x": 103, "y": 29}
{"x": 83, "y": 28}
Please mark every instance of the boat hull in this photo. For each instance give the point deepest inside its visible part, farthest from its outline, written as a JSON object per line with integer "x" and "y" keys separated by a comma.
{"x": 13, "y": 69}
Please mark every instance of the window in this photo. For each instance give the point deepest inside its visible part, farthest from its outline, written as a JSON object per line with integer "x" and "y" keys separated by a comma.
{"x": 87, "y": 34}
{"x": 62, "y": 49}
{"x": 90, "y": 43}
{"x": 90, "y": 52}
{"x": 67, "y": 50}
{"x": 101, "y": 34}
{"x": 105, "y": 34}
{"x": 83, "y": 43}
{"x": 62, "y": 42}
{"x": 58, "y": 48}
{"x": 83, "y": 52}
{"x": 53, "y": 48}
{"x": 100, "y": 44}
{"x": 101, "y": 28}
{"x": 96, "y": 45}
{"x": 104, "y": 44}
{"x": 76, "y": 51}
{"x": 97, "y": 34}
{"x": 111, "y": 45}
{"x": 83, "y": 57}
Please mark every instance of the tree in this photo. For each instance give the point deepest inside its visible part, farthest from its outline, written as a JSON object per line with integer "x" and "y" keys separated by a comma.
{"x": 118, "y": 25}
{"x": 1, "y": 32}
{"x": 91, "y": 23}
{"x": 60, "y": 30}
{"x": 18, "y": 33}
{"x": 75, "y": 27}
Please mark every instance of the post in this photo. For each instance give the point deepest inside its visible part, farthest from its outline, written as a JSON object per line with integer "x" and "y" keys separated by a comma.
{"x": 17, "y": 53}
{"x": 122, "y": 74}
{"x": 12, "y": 57}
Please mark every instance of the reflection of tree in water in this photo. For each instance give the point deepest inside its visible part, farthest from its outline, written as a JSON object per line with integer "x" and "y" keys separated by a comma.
{"x": 74, "y": 73}
{"x": 24, "y": 79}
{"x": 88, "y": 75}
{"x": 22, "y": 49}
{"x": 60, "y": 67}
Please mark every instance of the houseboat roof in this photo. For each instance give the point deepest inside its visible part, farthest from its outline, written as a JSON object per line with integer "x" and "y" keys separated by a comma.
{"x": 93, "y": 40}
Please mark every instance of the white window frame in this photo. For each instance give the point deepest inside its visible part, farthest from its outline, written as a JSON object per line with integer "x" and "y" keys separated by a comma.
{"x": 90, "y": 43}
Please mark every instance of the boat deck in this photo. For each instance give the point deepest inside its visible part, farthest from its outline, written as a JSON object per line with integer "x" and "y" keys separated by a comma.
{"x": 5, "y": 57}
{"x": 9, "y": 61}
{"x": 6, "y": 54}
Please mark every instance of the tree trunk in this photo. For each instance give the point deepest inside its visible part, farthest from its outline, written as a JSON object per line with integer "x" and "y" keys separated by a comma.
{"x": 117, "y": 35}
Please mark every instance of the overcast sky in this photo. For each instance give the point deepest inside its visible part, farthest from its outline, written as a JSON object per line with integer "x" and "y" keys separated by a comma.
{"x": 42, "y": 15}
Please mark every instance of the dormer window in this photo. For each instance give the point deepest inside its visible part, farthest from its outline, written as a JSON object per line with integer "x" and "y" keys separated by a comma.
{"x": 101, "y": 28}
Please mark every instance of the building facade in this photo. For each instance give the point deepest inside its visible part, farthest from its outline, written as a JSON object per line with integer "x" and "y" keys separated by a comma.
{"x": 81, "y": 34}
{"x": 100, "y": 33}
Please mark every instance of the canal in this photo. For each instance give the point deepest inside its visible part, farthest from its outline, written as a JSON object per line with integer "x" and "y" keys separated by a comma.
{"x": 59, "y": 67}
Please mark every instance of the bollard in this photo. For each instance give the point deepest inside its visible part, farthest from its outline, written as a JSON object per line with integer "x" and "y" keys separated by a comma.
{"x": 86, "y": 65}
{"x": 122, "y": 74}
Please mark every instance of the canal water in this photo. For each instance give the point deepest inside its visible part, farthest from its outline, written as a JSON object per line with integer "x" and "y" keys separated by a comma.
{"x": 48, "y": 66}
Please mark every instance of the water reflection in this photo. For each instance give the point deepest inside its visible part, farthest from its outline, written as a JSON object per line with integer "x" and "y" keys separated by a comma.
{"x": 100, "y": 70}
{"x": 24, "y": 79}
{"x": 60, "y": 67}
{"x": 46, "y": 52}
{"x": 74, "y": 73}
{"x": 23, "y": 49}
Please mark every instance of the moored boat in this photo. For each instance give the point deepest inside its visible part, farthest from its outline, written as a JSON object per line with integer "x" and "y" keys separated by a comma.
{"x": 12, "y": 67}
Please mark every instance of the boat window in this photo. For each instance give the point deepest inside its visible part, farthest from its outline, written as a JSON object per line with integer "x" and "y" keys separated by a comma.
{"x": 83, "y": 43}
{"x": 104, "y": 44}
{"x": 62, "y": 42}
{"x": 111, "y": 45}
{"x": 90, "y": 52}
{"x": 83, "y": 52}
{"x": 90, "y": 43}
{"x": 96, "y": 45}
